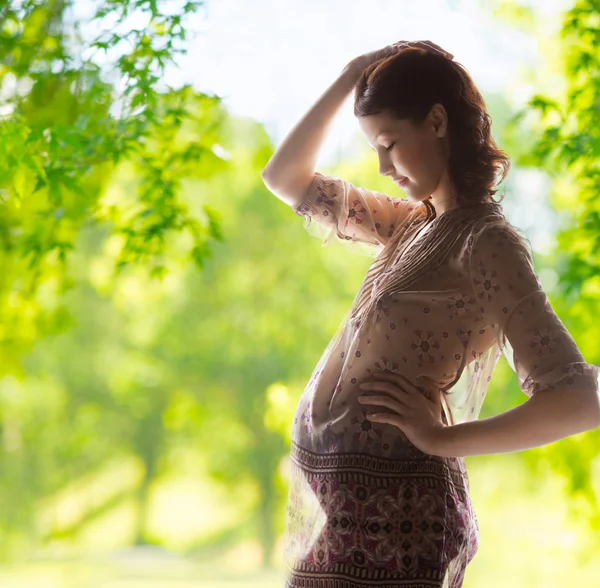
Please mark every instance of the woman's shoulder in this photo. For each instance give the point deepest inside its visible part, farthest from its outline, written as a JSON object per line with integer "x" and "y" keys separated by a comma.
{"x": 495, "y": 232}
{"x": 485, "y": 227}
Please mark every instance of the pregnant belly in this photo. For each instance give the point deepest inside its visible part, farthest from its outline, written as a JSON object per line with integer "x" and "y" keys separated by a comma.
{"x": 343, "y": 426}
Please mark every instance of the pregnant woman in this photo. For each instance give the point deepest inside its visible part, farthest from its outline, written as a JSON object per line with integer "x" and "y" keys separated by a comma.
{"x": 379, "y": 492}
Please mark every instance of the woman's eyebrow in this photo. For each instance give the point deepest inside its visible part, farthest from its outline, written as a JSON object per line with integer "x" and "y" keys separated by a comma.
{"x": 377, "y": 137}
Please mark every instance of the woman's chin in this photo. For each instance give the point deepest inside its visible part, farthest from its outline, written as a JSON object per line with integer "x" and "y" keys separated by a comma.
{"x": 414, "y": 195}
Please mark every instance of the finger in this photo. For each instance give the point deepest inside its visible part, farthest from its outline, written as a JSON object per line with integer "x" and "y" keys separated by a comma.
{"x": 390, "y": 419}
{"x": 433, "y": 46}
{"x": 385, "y": 52}
{"x": 401, "y": 46}
{"x": 432, "y": 390}
{"x": 385, "y": 386}
{"x": 391, "y": 403}
{"x": 400, "y": 380}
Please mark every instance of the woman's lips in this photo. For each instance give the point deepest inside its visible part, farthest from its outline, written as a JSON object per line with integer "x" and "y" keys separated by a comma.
{"x": 402, "y": 182}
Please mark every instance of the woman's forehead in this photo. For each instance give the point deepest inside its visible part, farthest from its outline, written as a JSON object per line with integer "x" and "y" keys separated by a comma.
{"x": 375, "y": 126}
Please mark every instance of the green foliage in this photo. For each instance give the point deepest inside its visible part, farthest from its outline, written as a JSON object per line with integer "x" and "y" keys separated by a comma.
{"x": 511, "y": 11}
{"x": 214, "y": 360}
{"x": 561, "y": 135}
{"x": 67, "y": 124}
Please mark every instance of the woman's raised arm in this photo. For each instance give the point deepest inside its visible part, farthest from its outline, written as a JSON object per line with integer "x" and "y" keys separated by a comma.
{"x": 291, "y": 169}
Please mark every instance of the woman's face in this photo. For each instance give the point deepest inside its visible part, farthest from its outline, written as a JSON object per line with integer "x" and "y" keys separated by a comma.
{"x": 418, "y": 153}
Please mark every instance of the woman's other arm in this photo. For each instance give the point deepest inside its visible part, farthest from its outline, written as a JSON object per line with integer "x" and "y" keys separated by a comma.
{"x": 563, "y": 389}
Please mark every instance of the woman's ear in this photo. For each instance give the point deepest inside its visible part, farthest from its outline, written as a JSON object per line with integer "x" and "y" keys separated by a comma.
{"x": 438, "y": 119}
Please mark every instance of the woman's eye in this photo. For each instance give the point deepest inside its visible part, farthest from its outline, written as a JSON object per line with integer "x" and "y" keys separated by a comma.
{"x": 389, "y": 148}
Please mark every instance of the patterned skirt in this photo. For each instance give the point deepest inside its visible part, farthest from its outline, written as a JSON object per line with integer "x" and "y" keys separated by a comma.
{"x": 355, "y": 519}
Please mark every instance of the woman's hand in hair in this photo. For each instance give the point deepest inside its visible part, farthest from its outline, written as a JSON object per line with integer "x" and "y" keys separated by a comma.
{"x": 429, "y": 46}
{"x": 361, "y": 62}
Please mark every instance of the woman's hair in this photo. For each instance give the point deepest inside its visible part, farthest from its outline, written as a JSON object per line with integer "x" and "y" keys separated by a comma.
{"x": 408, "y": 83}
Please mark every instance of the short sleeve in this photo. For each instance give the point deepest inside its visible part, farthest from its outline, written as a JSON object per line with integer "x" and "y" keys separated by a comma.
{"x": 530, "y": 335}
{"x": 337, "y": 211}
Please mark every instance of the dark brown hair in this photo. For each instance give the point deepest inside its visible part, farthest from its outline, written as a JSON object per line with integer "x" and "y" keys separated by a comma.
{"x": 408, "y": 83}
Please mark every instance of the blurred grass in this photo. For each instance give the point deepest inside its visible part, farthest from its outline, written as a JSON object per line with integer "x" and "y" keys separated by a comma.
{"x": 528, "y": 538}
{"x": 145, "y": 567}
{"x": 527, "y": 541}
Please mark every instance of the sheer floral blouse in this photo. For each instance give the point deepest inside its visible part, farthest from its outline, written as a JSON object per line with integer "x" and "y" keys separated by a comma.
{"x": 444, "y": 297}
{"x": 451, "y": 325}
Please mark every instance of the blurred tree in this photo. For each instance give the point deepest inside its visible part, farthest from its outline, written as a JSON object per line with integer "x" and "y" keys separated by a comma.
{"x": 94, "y": 179}
{"x": 75, "y": 113}
{"x": 558, "y": 131}
{"x": 64, "y": 129}
{"x": 214, "y": 360}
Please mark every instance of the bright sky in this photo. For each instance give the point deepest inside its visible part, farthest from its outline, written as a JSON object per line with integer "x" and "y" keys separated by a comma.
{"x": 271, "y": 59}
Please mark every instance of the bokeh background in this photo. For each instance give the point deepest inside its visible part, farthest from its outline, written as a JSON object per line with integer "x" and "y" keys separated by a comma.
{"x": 161, "y": 310}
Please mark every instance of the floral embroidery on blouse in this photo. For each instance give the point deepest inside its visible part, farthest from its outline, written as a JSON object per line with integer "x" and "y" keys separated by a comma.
{"x": 336, "y": 208}
{"x": 530, "y": 334}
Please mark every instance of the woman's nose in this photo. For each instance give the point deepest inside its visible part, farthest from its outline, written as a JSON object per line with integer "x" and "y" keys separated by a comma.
{"x": 385, "y": 169}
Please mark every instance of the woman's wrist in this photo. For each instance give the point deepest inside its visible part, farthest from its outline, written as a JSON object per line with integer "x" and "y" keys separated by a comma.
{"x": 350, "y": 74}
{"x": 352, "y": 71}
